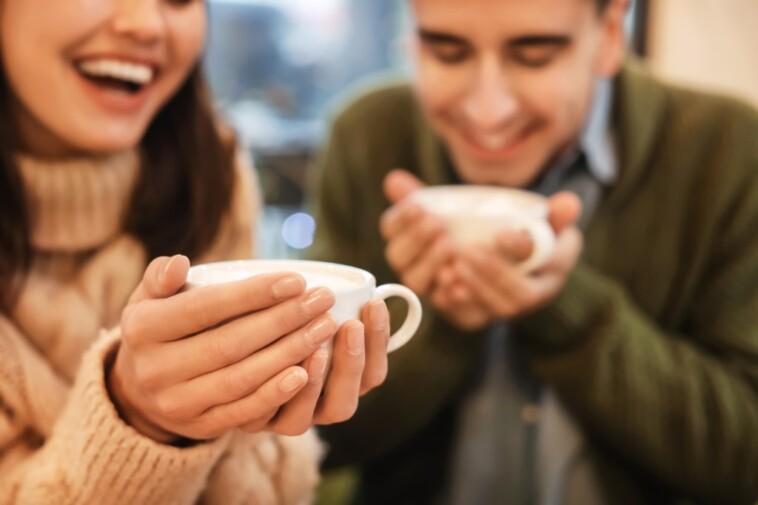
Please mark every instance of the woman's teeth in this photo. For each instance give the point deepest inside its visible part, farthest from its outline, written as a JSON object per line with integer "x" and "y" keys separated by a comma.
{"x": 131, "y": 73}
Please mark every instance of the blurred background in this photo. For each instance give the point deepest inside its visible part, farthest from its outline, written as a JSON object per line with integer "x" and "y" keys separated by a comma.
{"x": 277, "y": 67}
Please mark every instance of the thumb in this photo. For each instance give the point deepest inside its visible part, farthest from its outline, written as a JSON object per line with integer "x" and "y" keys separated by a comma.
{"x": 400, "y": 183}
{"x": 565, "y": 210}
{"x": 163, "y": 277}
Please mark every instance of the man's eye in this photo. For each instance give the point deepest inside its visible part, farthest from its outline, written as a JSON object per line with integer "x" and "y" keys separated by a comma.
{"x": 536, "y": 56}
{"x": 449, "y": 54}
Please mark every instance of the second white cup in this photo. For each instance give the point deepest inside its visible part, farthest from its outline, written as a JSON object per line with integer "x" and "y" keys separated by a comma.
{"x": 476, "y": 214}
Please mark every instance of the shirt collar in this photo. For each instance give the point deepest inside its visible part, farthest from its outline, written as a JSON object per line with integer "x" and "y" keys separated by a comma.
{"x": 596, "y": 140}
{"x": 594, "y": 149}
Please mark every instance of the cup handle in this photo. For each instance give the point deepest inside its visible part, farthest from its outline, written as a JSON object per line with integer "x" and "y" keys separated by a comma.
{"x": 543, "y": 239}
{"x": 412, "y": 320}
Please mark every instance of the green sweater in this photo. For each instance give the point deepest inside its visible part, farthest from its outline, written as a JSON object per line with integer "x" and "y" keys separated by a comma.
{"x": 652, "y": 344}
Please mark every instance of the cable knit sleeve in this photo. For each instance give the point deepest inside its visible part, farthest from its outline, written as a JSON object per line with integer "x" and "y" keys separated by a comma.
{"x": 61, "y": 439}
{"x": 91, "y": 456}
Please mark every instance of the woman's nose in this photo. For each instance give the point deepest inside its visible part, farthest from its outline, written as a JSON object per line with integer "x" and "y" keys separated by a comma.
{"x": 142, "y": 20}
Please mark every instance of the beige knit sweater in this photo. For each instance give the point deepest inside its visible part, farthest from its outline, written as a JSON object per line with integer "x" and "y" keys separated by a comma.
{"x": 61, "y": 440}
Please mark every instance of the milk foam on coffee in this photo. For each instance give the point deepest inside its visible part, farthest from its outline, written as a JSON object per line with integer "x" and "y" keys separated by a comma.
{"x": 336, "y": 281}
{"x": 479, "y": 201}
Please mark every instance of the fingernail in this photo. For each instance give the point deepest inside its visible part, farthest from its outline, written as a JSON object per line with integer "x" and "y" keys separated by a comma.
{"x": 318, "y": 302}
{"x": 317, "y": 366}
{"x": 355, "y": 343}
{"x": 293, "y": 381}
{"x": 320, "y": 330}
{"x": 287, "y": 287}
{"x": 164, "y": 271}
{"x": 378, "y": 316}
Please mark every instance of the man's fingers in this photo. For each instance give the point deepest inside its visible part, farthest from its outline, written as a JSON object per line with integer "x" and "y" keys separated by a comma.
{"x": 515, "y": 245}
{"x": 496, "y": 282}
{"x": 163, "y": 277}
{"x": 568, "y": 248}
{"x": 400, "y": 183}
{"x": 398, "y": 218}
{"x": 565, "y": 210}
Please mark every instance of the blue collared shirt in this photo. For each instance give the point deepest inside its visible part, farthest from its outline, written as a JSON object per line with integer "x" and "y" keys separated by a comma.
{"x": 595, "y": 144}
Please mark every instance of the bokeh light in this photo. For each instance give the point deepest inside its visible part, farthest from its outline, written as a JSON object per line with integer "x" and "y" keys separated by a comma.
{"x": 298, "y": 230}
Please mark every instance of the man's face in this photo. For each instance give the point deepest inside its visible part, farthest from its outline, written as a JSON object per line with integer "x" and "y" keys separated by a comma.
{"x": 508, "y": 84}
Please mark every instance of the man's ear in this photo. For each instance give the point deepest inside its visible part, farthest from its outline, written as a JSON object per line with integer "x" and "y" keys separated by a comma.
{"x": 613, "y": 43}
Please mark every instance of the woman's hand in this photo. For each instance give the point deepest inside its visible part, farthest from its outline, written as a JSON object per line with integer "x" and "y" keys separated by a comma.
{"x": 358, "y": 365}
{"x": 197, "y": 363}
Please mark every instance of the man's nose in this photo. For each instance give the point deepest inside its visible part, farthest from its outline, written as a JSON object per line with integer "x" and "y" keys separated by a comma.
{"x": 142, "y": 20}
{"x": 490, "y": 102}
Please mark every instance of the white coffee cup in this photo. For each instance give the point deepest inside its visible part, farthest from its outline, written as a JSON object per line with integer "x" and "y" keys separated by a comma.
{"x": 476, "y": 214}
{"x": 352, "y": 287}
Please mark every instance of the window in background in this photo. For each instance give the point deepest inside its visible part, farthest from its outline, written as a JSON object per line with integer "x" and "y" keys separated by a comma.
{"x": 274, "y": 67}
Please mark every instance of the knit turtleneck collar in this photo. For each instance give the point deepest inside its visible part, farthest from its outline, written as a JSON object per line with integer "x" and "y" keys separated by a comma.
{"x": 79, "y": 203}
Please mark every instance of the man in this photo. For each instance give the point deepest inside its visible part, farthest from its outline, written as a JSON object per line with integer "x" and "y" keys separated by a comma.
{"x": 625, "y": 370}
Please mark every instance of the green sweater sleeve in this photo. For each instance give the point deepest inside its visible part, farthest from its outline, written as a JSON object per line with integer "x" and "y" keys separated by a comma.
{"x": 676, "y": 409}
{"x": 681, "y": 402}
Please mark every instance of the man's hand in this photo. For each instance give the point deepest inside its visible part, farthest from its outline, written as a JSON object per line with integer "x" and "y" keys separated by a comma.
{"x": 417, "y": 245}
{"x": 489, "y": 277}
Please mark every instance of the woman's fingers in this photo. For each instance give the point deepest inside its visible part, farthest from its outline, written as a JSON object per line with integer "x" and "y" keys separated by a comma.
{"x": 376, "y": 322}
{"x": 343, "y": 383}
{"x": 296, "y": 416}
{"x": 242, "y": 378}
{"x": 234, "y": 341}
{"x": 205, "y": 307}
{"x": 261, "y": 423}
{"x": 163, "y": 277}
{"x": 252, "y": 408}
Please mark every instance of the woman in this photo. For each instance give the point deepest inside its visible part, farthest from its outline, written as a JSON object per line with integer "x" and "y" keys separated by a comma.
{"x": 110, "y": 155}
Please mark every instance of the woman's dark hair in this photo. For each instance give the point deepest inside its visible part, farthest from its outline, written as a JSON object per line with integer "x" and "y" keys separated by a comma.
{"x": 602, "y": 4}
{"x": 183, "y": 191}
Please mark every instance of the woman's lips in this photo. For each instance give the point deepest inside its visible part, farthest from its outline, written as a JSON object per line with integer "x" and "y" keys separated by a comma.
{"x": 119, "y": 101}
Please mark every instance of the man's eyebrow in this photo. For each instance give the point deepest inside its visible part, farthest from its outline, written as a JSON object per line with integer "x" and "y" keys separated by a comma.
{"x": 439, "y": 37}
{"x": 539, "y": 40}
